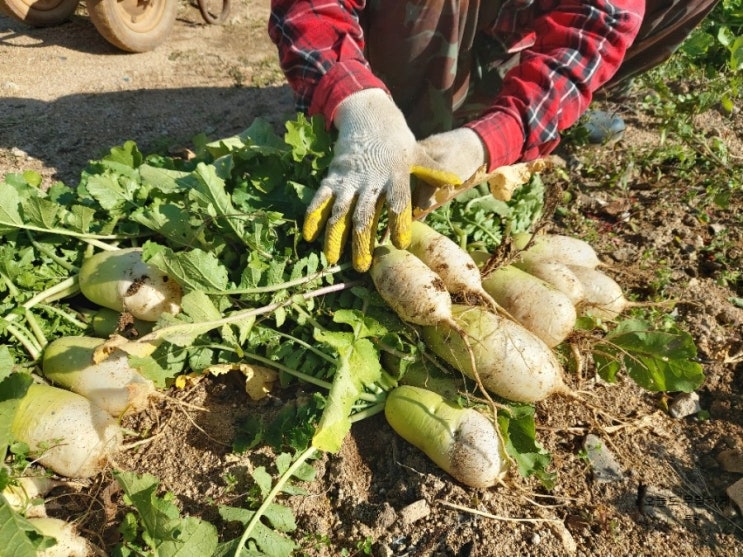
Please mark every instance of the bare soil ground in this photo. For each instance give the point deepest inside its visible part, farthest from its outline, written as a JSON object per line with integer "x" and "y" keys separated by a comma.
{"x": 66, "y": 97}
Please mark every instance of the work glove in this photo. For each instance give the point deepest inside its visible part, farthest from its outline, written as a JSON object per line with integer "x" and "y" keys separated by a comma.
{"x": 460, "y": 151}
{"x": 374, "y": 155}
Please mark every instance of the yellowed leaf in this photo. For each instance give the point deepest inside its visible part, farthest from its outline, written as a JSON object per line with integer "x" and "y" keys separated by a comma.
{"x": 187, "y": 380}
{"x": 258, "y": 379}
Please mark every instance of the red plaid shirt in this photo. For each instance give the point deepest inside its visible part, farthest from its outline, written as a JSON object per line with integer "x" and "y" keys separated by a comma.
{"x": 568, "y": 49}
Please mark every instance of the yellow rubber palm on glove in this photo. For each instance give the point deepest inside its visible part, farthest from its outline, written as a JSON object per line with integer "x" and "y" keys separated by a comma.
{"x": 374, "y": 155}
{"x": 460, "y": 151}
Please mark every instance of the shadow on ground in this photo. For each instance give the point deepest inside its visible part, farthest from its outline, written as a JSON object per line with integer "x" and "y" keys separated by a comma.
{"x": 70, "y": 131}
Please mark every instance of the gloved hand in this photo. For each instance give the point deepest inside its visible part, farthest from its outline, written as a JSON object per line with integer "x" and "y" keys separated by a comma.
{"x": 374, "y": 154}
{"x": 459, "y": 151}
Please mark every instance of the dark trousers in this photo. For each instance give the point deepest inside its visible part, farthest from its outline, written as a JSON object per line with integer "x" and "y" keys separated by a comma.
{"x": 434, "y": 59}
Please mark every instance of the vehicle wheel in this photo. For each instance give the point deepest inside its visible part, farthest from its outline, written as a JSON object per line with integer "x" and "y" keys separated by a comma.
{"x": 214, "y": 11}
{"x": 39, "y": 13}
{"x": 133, "y": 25}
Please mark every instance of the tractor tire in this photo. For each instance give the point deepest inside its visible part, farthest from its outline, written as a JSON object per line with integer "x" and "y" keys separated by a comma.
{"x": 133, "y": 25}
{"x": 39, "y": 13}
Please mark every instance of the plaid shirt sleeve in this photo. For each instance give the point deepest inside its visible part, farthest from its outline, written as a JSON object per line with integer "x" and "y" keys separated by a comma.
{"x": 578, "y": 46}
{"x": 321, "y": 50}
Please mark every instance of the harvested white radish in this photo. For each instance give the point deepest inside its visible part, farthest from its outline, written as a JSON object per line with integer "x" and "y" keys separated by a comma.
{"x": 25, "y": 494}
{"x": 69, "y": 542}
{"x": 416, "y": 293}
{"x": 410, "y": 287}
{"x": 455, "y": 266}
{"x": 461, "y": 441}
{"x": 510, "y": 361}
{"x": 70, "y": 435}
{"x": 538, "y": 306}
{"x": 558, "y": 275}
{"x": 120, "y": 280}
{"x": 604, "y": 298}
{"x": 111, "y": 384}
{"x": 556, "y": 247}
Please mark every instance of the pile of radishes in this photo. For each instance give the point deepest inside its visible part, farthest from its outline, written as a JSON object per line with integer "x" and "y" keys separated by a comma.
{"x": 499, "y": 330}
{"x": 72, "y": 422}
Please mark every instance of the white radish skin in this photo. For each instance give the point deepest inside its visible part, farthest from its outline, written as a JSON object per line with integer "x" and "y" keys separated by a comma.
{"x": 72, "y": 437}
{"x": 539, "y": 307}
{"x": 111, "y": 384}
{"x": 418, "y": 295}
{"x": 69, "y": 542}
{"x": 455, "y": 266}
{"x": 23, "y": 495}
{"x": 556, "y": 247}
{"x": 461, "y": 441}
{"x": 604, "y": 298}
{"x": 510, "y": 361}
{"x": 410, "y": 287}
{"x": 120, "y": 280}
{"x": 558, "y": 275}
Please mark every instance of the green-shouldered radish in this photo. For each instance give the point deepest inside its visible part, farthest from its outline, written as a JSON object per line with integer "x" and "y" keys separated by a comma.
{"x": 111, "y": 384}
{"x": 122, "y": 281}
{"x": 461, "y": 441}
{"x": 558, "y": 275}
{"x": 106, "y": 322}
{"x": 455, "y": 266}
{"x": 511, "y": 361}
{"x": 422, "y": 373}
{"x": 69, "y": 542}
{"x": 70, "y": 435}
{"x": 535, "y": 304}
{"x": 604, "y": 298}
{"x": 556, "y": 247}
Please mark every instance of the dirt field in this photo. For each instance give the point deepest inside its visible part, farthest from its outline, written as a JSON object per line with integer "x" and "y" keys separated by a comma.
{"x": 66, "y": 97}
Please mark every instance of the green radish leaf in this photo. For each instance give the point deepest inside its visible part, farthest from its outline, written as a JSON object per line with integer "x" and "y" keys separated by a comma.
{"x": 127, "y": 155}
{"x": 309, "y": 138}
{"x": 358, "y": 367}
{"x": 169, "y": 220}
{"x": 264, "y": 541}
{"x": 518, "y": 428}
{"x": 164, "y": 179}
{"x": 41, "y": 212}
{"x": 20, "y": 538}
{"x": 210, "y": 192}
{"x": 80, "y": 218}
{"x": 10, "y": 217}
{"x": 657, "y": 360}
{"x": 263, "y": 480}
{"x": 107, "y": 190}
{"x": 193, "y": 270}
{"x": 163, "y": 529}
{"x": 164, "y": 364}
{"x": 12, "y": 389}
{"x": 6, "y": 363}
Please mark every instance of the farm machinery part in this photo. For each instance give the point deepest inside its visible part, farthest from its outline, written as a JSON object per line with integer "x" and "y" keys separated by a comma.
{"x": 130, "y": 25}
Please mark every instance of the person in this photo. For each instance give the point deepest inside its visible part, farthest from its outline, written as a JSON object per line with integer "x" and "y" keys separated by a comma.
{"x": 443, "y": 87}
